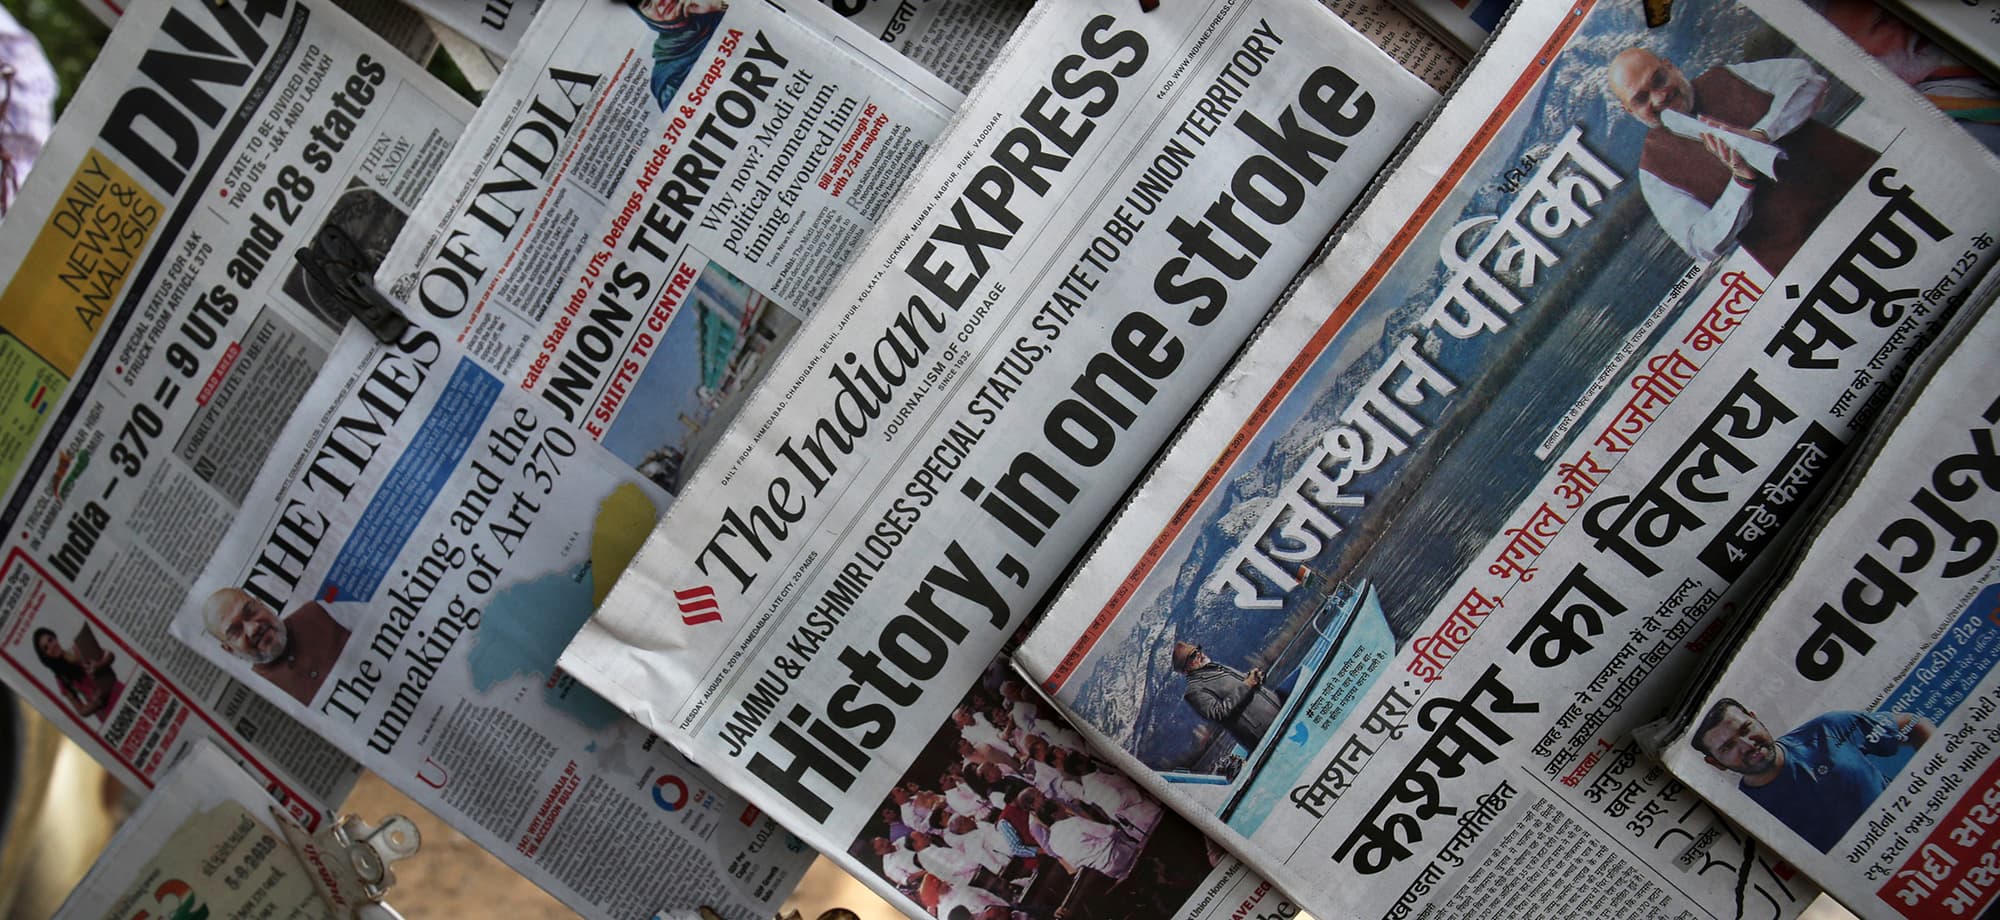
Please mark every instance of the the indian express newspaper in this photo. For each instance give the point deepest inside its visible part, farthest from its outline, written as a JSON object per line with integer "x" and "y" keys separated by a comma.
{"x": 1854, "y": 731}
{"x": 178, "y": 266}
{"x": 421, "y": 545}
{"x": 1081, "y": 255}
{"x": 654, "y": 208}
{"x": 1385, "y": 615}
{"x": 203, "y": 843}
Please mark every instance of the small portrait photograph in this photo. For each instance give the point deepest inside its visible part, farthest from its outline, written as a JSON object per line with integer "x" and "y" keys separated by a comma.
{"x": 82, "y": 671}
{"x": 1821, "y": 776}
{"x": 1734, "y": 153}
{"x": 296, "y": 652}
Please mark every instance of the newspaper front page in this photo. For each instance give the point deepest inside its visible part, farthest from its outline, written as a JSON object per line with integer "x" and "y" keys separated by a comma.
{"x": 652, "y": 212}
{"x": 815, "y": 619}
{"x": 1854, "y": 731}
{"x": 421, "y": 545}
{"x": 1464, "y": 513}
{"x": 178, "y": 266}
{"x": 203, "y": 843}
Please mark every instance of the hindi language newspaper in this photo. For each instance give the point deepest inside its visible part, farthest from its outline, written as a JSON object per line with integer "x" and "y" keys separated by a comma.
{"x": 179, "y": 264}
{"x": 423, "y": 542}
{"x": 817, "y": 618}
{"x": 1464, "y": 513}
{"x": 204, "y": 842}
{"x": 652, "y": 209}
{"x": 1854, "y": 730}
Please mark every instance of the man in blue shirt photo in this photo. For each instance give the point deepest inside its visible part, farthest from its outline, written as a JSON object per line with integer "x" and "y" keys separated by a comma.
{"x": 1820, "y": 777}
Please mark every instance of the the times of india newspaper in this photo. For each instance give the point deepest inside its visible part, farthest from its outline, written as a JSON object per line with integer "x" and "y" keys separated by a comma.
{"x": 406, "y": 568}
{"x": 652, "y": 208}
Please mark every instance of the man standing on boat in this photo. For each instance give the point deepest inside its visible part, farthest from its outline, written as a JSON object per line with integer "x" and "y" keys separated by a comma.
{"x": 1230, "y": 698}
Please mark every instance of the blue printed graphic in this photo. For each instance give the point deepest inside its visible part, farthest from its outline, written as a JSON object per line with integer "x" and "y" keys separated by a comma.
{"x": 522, "y": 631}
{"x": 1959, "y": 660}
{"x": 1343, "y": 662}
{"x": 411, "y": 486}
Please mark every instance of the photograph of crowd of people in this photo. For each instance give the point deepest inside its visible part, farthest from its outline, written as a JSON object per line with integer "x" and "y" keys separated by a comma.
{"x": 1004, "y": 816}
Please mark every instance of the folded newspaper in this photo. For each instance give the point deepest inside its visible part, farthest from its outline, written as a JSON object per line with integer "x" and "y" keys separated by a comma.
{"x": 815, "y": 618}
{"x": 1854, "y": 731}
{"x": 1402, "y": 38}
{"x": 650, "y": 215}
{"x": 1383, "y": 618}
{"x": 204, "y": 843}
{"x": 178, "y": 266}
{"x": 1465, "y": 25}
{"x": 954, "y": 39}
{"x": 401, "y": 577}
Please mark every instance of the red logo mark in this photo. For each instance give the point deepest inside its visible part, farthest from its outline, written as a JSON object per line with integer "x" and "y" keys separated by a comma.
{"x": 698, "y": 605}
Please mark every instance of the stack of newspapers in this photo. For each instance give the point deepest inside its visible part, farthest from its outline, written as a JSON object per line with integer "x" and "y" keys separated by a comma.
{"x": 1048, "y": 459}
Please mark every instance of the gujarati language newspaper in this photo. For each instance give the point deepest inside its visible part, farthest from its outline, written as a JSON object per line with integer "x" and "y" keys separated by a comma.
{"x": 816, "y": 620}
{"x": 421, "y": 545}
{"x": 178, "y": 265}
{"x": 204, "y": 842}
{"x": 1854, "y": 731}
{"x": 1466, "y": 511}
{"x": 651, "y": 212}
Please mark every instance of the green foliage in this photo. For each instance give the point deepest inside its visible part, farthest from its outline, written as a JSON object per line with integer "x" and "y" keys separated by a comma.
{"x": 70, "y": 36}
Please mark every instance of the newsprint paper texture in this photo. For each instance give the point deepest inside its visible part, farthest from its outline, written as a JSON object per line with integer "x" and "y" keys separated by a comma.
{"x": 954, "y": 39}
{"x": 495, "y": 25}
{"x": 421, "y": 545}
{"x": 157, "y": 320}
{"x": 649, "y": 215}
{"x": 1855, "y": 732}
{"x": 818, "y": 618}
{"x": 1465, "y": 512}
{"x": 203, "y": 843}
